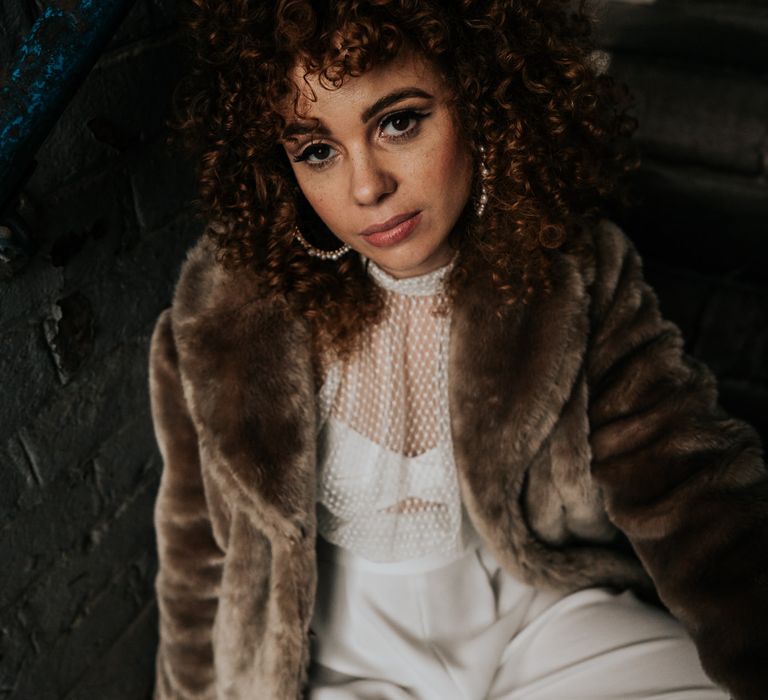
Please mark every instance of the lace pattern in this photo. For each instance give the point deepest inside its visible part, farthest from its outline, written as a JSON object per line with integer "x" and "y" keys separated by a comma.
{"x": 387, "y": 486}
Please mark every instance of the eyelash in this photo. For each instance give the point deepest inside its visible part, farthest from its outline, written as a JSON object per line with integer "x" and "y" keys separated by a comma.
{"x": 402, "y": 136}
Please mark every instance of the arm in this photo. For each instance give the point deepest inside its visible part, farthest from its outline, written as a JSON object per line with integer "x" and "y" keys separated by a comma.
{"x": 684, "y": 481}
{"x": 189, "y": 558}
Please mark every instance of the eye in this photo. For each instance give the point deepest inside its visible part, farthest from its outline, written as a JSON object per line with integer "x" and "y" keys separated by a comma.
{"x": 315, "y": 154}
{"x": 402, "y": 124}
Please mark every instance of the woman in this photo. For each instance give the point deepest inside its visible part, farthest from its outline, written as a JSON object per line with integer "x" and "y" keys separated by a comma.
{"x": 425, "y": 433}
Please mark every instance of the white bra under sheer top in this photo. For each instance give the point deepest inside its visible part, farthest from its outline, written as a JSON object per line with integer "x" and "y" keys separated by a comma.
{"x": 387, "y": 486}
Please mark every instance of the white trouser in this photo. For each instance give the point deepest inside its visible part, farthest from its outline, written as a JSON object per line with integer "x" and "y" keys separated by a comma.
{"x": 465, "y": 629}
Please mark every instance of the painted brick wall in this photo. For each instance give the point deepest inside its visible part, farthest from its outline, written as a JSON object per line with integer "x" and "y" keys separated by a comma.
{"x": 79, "y": 469}
{"x": 109, "y": 202}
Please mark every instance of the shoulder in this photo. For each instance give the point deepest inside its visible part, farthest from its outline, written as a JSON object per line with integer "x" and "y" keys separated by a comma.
{"x": 216, "y": 309}
{"x": 206, "y": 287}
{"x": 208, "y": 291}
{"x": 603, "y": 250}
{"x": 609, "y": 264}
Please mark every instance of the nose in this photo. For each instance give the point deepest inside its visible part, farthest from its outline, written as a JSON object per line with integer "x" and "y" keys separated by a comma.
{"x": 371, "y": 180}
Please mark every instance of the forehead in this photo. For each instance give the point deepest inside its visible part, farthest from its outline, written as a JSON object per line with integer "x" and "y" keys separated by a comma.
{"x": 316, "y": 97}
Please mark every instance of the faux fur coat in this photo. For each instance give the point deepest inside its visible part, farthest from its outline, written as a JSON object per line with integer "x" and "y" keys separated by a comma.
{"x": 590, "y": 451}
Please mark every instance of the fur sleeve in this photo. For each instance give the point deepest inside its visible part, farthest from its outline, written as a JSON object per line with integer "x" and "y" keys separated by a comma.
{"x": 190, "y": 560}
{"x": 685, "y": 481}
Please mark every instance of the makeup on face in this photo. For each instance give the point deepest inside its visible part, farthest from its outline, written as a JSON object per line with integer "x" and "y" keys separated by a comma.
{"x": 393, "y": 231}
{"x": 382, "y": 163}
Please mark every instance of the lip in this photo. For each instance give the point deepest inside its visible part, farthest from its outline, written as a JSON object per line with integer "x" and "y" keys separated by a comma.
{"x": 388, "y": 224}
{"x": 393, "y": 230}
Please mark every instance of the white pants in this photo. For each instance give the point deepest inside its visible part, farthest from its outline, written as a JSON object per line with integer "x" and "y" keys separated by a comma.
{"x": 465, "y": 629}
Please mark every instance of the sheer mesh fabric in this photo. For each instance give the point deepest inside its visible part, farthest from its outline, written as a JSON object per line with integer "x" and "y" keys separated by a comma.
{"x": 387, "y": 486}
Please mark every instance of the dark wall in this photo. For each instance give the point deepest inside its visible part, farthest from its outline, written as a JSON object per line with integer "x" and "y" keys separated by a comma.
{"x": 109, "y": 203}
{"x": 79, "y": 468}
{"x": 698, "y": 71}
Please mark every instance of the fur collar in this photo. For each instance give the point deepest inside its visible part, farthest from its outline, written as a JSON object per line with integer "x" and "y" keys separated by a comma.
{"x": 247, "y": 377}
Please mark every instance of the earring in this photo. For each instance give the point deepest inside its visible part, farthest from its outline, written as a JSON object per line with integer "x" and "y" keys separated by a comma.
{"x": 482, "y": 200}
{"x": 317, "y": 252}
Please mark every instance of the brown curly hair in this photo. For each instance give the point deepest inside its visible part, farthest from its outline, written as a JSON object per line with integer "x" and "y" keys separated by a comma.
{"x": 555, "y": 131}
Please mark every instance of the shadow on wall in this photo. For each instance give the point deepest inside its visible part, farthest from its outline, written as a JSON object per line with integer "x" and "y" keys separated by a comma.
{"x": 697, "y": 71}
{"x": 108, "y": 206}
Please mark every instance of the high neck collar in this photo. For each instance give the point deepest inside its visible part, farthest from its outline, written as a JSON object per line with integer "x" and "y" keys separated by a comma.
{"x": 423, "y": 285}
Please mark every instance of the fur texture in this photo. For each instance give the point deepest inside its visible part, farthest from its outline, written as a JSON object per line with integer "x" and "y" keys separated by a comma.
{"x": 590, "y": 451}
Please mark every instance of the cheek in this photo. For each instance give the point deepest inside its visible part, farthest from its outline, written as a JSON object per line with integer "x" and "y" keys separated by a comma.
{"x": 319, "y": 197}
{"x": 451, "y": 170}
{"x": 449, "y": 157}
{"x": 326, "y": 205}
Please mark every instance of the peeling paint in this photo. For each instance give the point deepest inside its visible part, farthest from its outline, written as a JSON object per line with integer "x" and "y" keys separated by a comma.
{"x": 69, "y": 333}
{"x": 51, "y": 63}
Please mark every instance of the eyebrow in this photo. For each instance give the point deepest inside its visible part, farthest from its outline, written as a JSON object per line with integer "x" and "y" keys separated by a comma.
{"x": 295, "y": 129}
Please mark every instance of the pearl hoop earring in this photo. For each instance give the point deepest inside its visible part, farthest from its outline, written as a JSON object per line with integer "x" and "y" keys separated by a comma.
{"x": 317, "y": 252}
{"x": 482, "y": 200}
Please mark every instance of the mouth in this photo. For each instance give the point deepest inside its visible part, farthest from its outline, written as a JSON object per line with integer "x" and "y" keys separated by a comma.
{"x": 393, "y": 230}
{"x": 388, "y": 224}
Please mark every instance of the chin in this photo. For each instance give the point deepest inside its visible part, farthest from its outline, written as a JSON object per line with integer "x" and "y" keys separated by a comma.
{"x": 410, "y": 263}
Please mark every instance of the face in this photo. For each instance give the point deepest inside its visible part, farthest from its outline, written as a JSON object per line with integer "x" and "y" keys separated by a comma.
{"x": 387, "y": 170}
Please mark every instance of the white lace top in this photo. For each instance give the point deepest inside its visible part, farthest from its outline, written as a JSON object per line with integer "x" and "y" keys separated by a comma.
{"x": 387, "y": 486}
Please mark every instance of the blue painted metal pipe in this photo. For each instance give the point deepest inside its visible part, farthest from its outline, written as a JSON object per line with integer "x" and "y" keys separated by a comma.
{"x": 62, "y": 47}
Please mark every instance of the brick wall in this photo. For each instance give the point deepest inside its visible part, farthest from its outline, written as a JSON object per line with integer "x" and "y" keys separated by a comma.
{"x": 79, "y": 468}
{"x": 109, "y": 204}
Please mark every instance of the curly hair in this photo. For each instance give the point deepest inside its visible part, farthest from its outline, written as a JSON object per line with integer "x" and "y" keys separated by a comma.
{"x": 524, "y": 85}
